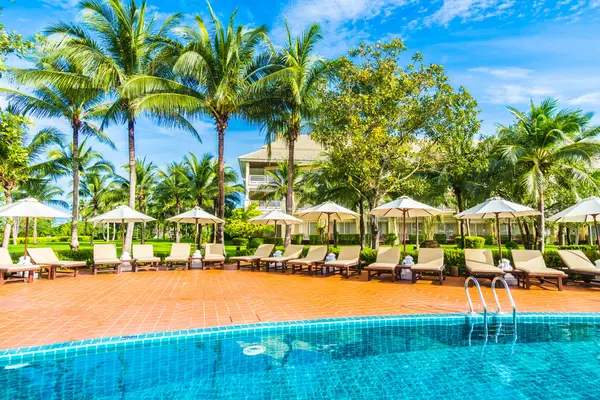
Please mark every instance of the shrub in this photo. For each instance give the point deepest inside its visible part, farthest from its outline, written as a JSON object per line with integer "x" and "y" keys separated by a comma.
{"x": 441, "y": 238}
{"x": 241, "y": 242}
{"x": 412, "y": 239}
{"x": 255, "y": 242}
{"x": 489, "y": 239}
{"x": 583, "y": 247}
{"x": 512, "y": 245}
{"x": 245, "y": 252}
{"x": 455, "y": 257}
{"x": 86, "y": 255}
{"x": 53, "y": 239}
{"x": 348, "y": 238}
{"x": 390, "y": 239}
{"x": 315, "y": 239}
{"x": 474, "y": 242}
{"x": 431, "y": 244}
{"x": 297, "y": 239}
{"x": 368, "y": 255}
{"x": 270, "y": 240}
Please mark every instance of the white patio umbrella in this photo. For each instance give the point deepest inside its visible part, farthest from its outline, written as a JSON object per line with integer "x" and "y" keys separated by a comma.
{"x": 405, "y": 207}
{"x": 587, "y": 210}
{"x": 30, "y": 208}
{"x": 330, "y": 210}
{"x": 274, "y": 217}
{"x": 196, "y": 216}
{"x": 497, "y": 207}
{"x": 122, "y": 214}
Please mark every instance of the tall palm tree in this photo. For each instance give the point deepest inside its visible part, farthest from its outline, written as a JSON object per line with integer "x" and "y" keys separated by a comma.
{"x": 215, "y": 68}
{"x": 75, "y": 104}
{"x": 173, "y": 189}
{"x": 277, "y": 188}
{"x": 545, "y": 145}
{"x": 291, "y": 96}
{"x": 45, "y": 191}
{"x": 115, "y": 42}
{"x": 61, "y": 160}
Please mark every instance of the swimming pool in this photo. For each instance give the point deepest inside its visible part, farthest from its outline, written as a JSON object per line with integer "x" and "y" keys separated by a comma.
{"x": 412, "y": 357}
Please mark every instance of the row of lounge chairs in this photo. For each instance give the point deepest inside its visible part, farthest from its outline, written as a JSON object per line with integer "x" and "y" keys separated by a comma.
{"x": 530, "y": 265}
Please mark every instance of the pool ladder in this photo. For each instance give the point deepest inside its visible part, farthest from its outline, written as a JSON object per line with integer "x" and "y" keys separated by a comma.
{"x": 498, "y": 306}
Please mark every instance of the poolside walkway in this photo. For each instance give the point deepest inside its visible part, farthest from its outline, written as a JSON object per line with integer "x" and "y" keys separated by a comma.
{"x": 131, "y": 303}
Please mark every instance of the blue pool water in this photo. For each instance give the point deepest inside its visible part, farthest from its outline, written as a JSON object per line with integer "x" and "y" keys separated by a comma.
{"x": 382, "y": 358}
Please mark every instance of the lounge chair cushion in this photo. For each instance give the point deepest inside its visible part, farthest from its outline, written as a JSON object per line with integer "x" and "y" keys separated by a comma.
{"x": 69, "y": 264}
{"x": 104, "y": 252}
{"x": 380, "y": 266}
{"x": 532, "y": 262}
{"x": 5, "y": 258}
{"x": 480, "y": 268}
{"x": 214, "y": 258}
{"x": 148, "y": 259}
{"x": 19, "y": 268}
{"x": 427, "y": 267}
{"x": 315, "y": 253}
{"x": 429, "y": 260}
{"x": 342, "y": 263}
{"x": 179, "y": 252}
{"x": 108, "y": 261}
{"x": 245, "y": 258}
{"x": 349, "y": 253}
{"x": 264, "y": 250}
{"x": 577, "y": 262}
{"x": 276, "y": 259}
{"x": 177, "y": 259}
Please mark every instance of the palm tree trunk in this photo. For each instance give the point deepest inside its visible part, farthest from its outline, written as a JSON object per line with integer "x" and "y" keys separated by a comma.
{"x": 132, "y": 179}
{"x": 542, "y": 233}
{"x": 35, "y": 231}
{"x": 7, "y": 227}
{"x": 289, "y": 196}
{"x": 221, "y": 122}
{"x": 459, "y": 202}
{"x": 361, "y": 223}
{"x": 74, "y": 244}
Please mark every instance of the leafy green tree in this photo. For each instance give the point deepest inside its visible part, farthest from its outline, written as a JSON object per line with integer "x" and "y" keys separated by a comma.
{"x": 71, "y": 103}
{"x": 113, "y": 43}
{"x": 456, "y": 157}
{"x": 202, "y": 178}
{"x": 371, "y": 117}
{"x": 290, "y": 99}
{"x": 237, "y": 225}
{"x": 213, "y": 72}
{"x": 546, "y": 145}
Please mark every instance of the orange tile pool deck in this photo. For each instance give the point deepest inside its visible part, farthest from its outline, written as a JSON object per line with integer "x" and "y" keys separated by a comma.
{"x": 89, "y": 306}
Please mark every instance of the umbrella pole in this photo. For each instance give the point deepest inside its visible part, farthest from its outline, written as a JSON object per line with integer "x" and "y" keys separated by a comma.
{"x": 404, "y": 229}
{"x": 27, "y": 234}
{"x": 499, "y": 238}
{"x": 196, "y": 236}
{"x": 122, "y": 236}
{"x": 596, "y": 228}
{"x": 328, "y": 229}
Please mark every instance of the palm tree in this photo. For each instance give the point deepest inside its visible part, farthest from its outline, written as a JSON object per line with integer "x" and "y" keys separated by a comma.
{"x": 277, "y": 188}
{"x": 113, "y": 43}
{"x": 61, "y": 160}
{"x": 215, "y": 69}
{"x": 545, "y": 145}
{"x": 202, "y": 179}
{"x": 72, "y": 103}
{"x": 43, "y": 190}
{"x": 291, "y": 97}
{"x": 173, "y": 189}
{"x": 96, "y": 188}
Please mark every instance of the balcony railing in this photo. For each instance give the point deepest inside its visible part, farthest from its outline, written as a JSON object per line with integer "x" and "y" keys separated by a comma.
{"x": 258, "y": 180}
{"x": 267, "y": 205}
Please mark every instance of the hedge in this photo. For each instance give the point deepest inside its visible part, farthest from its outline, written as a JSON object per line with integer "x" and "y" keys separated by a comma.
{"x": 297, "y": 239}
{"x": 315, "y": 239}
{"x": 53, "y": 239}
{"x": 441, "y": 238}
{"x": 471, "y": 242}
{"x": 348, "y": 238}
{"x": 255, "y": 242}
{"x": 242, "y": 242}
{"x": 270, "y": 240}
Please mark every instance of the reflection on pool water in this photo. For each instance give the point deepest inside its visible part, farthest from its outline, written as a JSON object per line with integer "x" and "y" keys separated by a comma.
{"x": 394, "y": 358}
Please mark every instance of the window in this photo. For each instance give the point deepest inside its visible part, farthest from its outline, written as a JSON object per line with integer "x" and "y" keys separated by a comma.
{"x": 346, "y": 227}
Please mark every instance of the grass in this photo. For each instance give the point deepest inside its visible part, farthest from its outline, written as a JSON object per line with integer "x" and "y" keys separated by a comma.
{"x": 160, "y": 245}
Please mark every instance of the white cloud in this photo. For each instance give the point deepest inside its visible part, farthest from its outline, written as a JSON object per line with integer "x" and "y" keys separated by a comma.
{"x": 468, "y": 10}
{"x": 65, "y": 4}
{"x": 504, "y": 73}
{"x": 516, "y": 94}
{"x": 586, "y": 99}
{"x": 202, "y": 127}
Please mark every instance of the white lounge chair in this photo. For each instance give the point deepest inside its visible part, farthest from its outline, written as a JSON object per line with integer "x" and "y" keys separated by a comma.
{"x": 291, "y": 252}
{"x": 348, "y": 258}
{"x": 264, "y": 250}
{"x": 105, "y": 255}
{"x": 480, "y": 263}
{"x": 532, "y": 265}
{"x": 46, "y": 256}
{"x": 180, "y": 253}
{"x": 430, "y": 261}
{"x": 8, "y": 269}
{"x": 579, "y": 267}
{"x": 143, "y": 255}
{"x": 214, "y": 254}
{"x": 387, "y": 261}
{"x": 315, "y": 255}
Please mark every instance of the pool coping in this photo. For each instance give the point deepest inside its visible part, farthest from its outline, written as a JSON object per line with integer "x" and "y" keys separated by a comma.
{"x": 87, "y": 346}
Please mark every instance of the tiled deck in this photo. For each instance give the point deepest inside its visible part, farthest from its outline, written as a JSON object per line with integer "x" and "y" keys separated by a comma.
{"x": 107, "y": 305}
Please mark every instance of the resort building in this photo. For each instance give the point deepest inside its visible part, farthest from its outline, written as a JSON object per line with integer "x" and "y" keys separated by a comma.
{"x": 255, "y": 167}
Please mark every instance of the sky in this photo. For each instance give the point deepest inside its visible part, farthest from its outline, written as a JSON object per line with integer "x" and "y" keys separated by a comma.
{"x": 505, "y": 52}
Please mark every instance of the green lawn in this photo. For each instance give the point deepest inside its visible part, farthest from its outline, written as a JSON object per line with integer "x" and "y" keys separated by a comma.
{"x": 160, "y": 246}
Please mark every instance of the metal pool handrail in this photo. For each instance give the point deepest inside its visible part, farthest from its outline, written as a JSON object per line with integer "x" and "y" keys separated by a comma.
{"x": 510, "y": 298}
{"x": 469, "y": 279}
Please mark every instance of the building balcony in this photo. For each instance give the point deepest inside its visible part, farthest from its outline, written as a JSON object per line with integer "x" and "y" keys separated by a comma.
{"x": 259, "y": 182}
{"x": 266, "y": 205}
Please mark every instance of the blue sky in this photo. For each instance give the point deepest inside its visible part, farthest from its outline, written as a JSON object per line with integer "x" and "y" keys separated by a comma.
{"x": 505, "y": 52}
